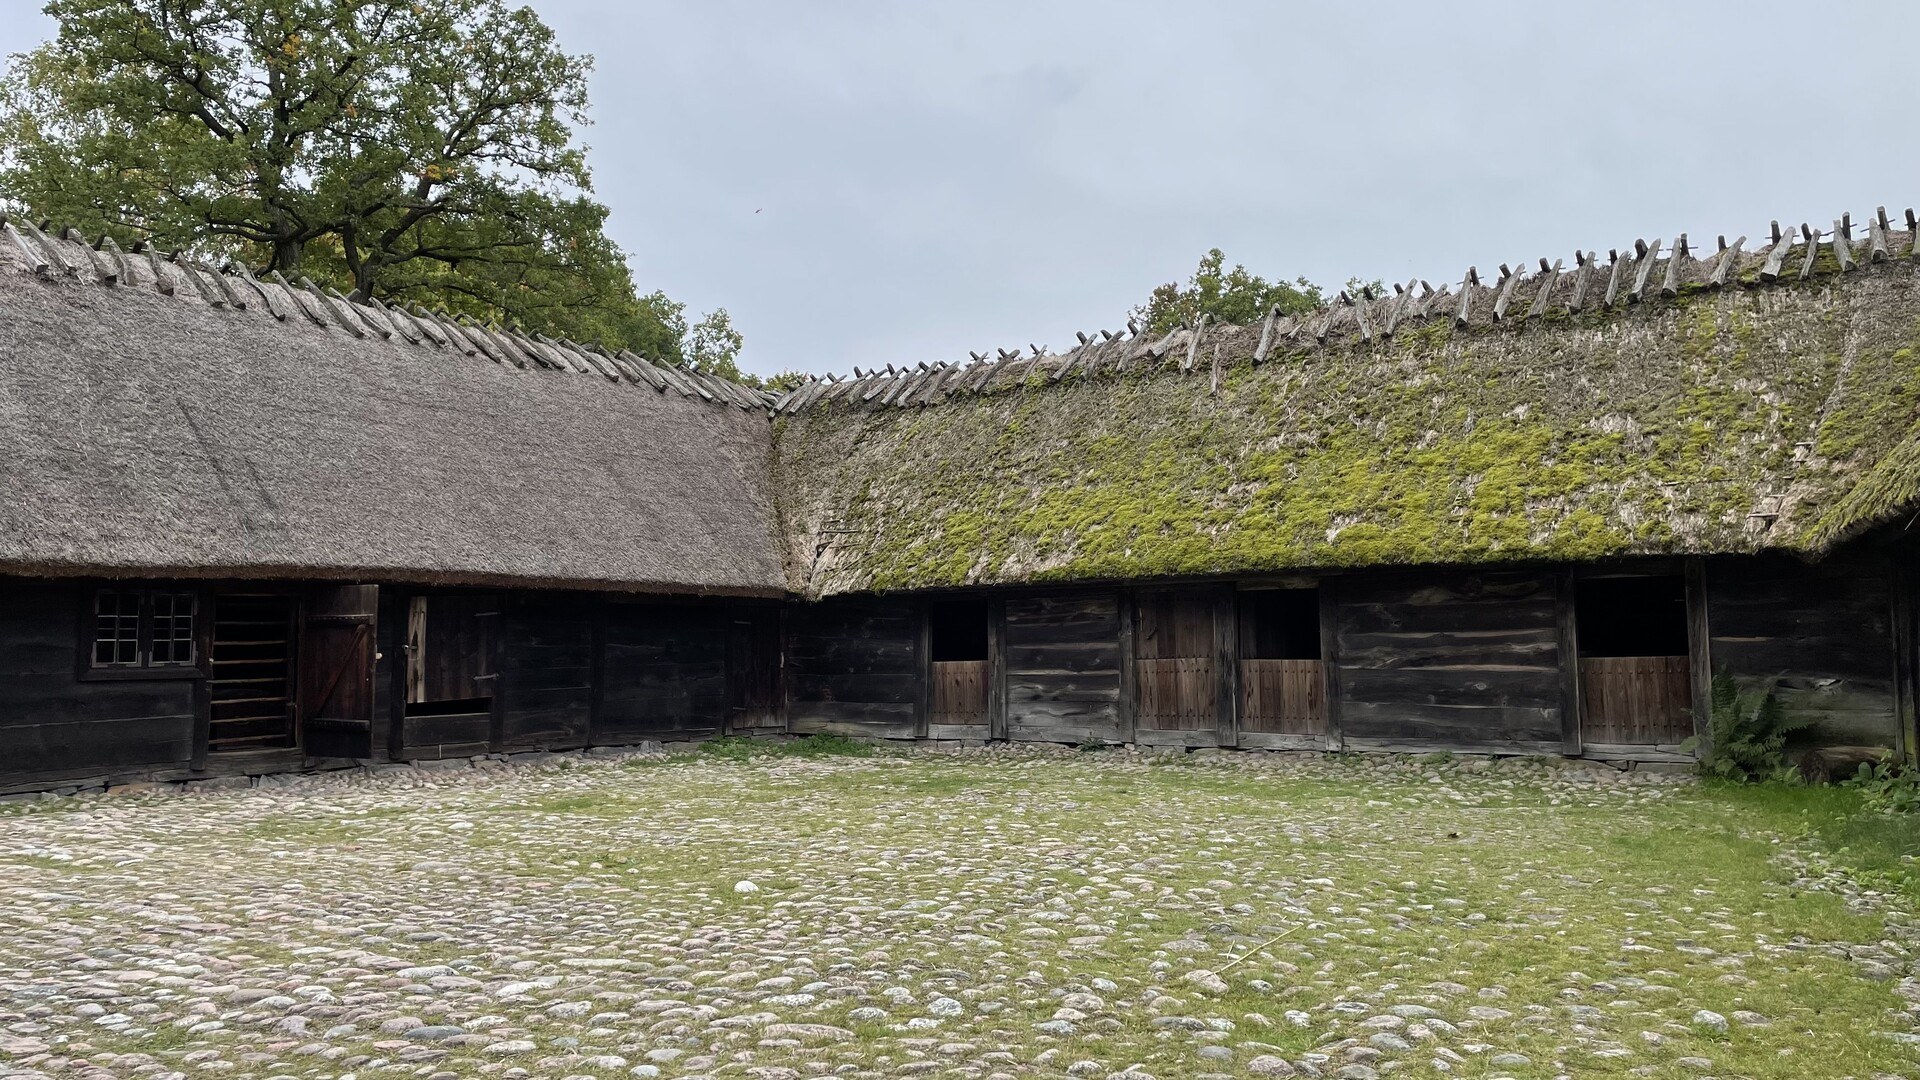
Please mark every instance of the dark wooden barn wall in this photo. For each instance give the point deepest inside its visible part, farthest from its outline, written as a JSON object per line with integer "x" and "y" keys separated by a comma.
{"x": 854, "y": 667}
{"x": 54, "y": 725}
{"x": 1820, "y": 635}
{"x": 663, "y": 672}
{"x": 1063, "y": 668}
{"x": 1449, "y": 660}
{"x": 546, "y": 671}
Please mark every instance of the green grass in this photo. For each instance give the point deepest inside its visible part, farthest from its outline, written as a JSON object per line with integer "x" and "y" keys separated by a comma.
{"x": 735, "y": 748}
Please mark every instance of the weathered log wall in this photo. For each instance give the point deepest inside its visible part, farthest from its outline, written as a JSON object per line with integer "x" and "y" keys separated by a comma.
{"x": 854, "y": 668}
{"x": 1063, "y": 668}
{"x": 1819, "y": 635}
{"x": 1449, "y": 660}
{"x": 663, "y": 672}
{"x": 546, "y": 671}
{"x": 55, "y": 725}
{"x": 1473, "y": 661}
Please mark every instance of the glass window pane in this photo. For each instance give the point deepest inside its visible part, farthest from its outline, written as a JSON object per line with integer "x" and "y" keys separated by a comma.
{"x": 172, "y": 628}
{"x": 116, "y": 640}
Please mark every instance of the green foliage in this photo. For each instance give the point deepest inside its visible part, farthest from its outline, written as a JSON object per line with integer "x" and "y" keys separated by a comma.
{"x": 780, "y": 383}
{"x": 1750, "y": 733}
{"x": 1229, "y": 296}
{"x": 414, "y": 152}
{"x": 1888, "y": 787}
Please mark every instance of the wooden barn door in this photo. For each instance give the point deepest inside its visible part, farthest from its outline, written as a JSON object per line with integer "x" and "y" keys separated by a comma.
{"x": 336, "y": 671}
{"x": 959, "y": 650}
{"x": 1178, "y": 673}
{"x": 452, "y": 655}
{"x": 1283, "y": 699}
{"x": 755, "y": 692}
{"x": 1635, "y": 668}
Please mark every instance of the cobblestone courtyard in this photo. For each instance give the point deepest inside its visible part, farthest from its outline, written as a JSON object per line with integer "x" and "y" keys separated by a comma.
{"x": 997, "y": 913}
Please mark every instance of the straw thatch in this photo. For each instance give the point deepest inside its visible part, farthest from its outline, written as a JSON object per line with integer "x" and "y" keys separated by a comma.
{"x": 152, "y": 425}
{"x": 1658, "y": 403}
{"x": 159, "y": 417}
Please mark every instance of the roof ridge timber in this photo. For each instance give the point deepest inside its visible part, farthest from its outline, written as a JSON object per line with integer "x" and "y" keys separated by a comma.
{"x": 49, "y": 252}
{"x": 1517, "y": 298}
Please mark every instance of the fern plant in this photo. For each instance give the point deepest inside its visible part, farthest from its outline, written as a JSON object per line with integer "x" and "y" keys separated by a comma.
{"x": 1750, "y": 733}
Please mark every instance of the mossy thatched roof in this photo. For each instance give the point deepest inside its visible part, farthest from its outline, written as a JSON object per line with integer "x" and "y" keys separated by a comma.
{"x": 1646, "y": 405}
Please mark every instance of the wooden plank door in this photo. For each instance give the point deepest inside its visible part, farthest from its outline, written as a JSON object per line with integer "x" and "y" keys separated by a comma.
{"x": 754, "y": 666}
{"x": 336, "y": 671}
{"x": 1179, "y": 668}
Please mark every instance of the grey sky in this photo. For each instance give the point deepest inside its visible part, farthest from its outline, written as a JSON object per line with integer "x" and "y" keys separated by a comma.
{"x": 865, "y": 183}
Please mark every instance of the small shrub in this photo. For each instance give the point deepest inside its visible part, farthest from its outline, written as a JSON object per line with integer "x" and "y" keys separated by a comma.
{"x": 1092, "y": 745}
{"x": 826, "y": 746}
{"x": 1889, "y": 787}
{"x": 1749, "y": 734}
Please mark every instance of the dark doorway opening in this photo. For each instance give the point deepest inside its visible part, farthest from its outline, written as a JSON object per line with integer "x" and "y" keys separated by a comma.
{"x": 1632, "y": 616}
{"x": 1636, "y": 681}
{"x": 1280, "y": 624}
{"x": 450, "y": 651}
{"x": 957, "y": 630}
{"x": 251, "y": 680}
{"x": 958, "y": 666}
{"x": 1282, "y": 681}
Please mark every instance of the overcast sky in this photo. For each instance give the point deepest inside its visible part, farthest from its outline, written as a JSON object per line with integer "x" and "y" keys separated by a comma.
{"x": 865, "y": 183}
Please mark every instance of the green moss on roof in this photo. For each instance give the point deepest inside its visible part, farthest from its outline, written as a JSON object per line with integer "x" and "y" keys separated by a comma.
{"x": 1718, "y": 421}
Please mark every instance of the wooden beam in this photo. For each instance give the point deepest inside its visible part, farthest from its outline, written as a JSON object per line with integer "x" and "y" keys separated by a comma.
{"x": 1266, "y": 334}
{"x": 1729, "y": 258}
{"x": 1677, "y": 258}
{"x": 1398, "y": 309}
{"x": 923, "y": 671}
{"x": 1360, "y": 315}
{"x": 1643, "y": 269}
{"x": 54, "y": 257}
{"x": 1329, "y": 594}
{"x": 1582, "y": 278}
{"x": 1812, "y": 237}
{"x": 1777, "y": 258}
{"x": 1564, "y": 612}
{"x": 997, "y": 668}
{"x": 1877, "y": 236}
{"x": 1226, "y": 668}
{"x": 1193, "y": 344}
{"x": 36, "y": 261}
{"x": 1843, "y": 243}
{"x": 1508, "y": 279}
{"x": 1549, "y": 277}
{"x": 1128, "y": 707}
{"x": 1700, "y": 654}
{"x": 1467, "y": 285}
{"x": 1613, "y": 277}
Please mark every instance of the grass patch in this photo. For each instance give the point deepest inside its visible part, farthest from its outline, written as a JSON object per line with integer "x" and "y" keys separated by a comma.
{"x": 735, "y": 748}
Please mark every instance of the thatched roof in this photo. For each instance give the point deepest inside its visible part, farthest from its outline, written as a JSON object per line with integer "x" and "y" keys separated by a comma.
{"x": 1656, "y": 401}
{"x": 157, "y": 417}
